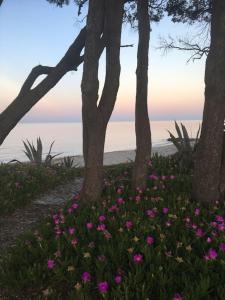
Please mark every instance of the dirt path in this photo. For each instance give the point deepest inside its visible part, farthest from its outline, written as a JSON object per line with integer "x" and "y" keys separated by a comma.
{"x": 27, "y": 218}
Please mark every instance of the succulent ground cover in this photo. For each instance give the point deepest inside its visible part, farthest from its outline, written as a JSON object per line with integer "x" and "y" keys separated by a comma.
{"x": 152, "y": 244}
{"x": 20, "y": 183}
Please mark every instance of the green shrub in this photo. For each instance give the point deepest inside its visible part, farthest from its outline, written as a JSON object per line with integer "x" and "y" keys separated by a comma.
{"x": 20, "y": 183}
{"x": 156, "y": 244}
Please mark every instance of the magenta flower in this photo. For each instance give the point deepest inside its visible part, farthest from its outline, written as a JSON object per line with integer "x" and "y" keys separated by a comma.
{"x": 103, "y": 287}
{"x": 89, "y": 225}
{"x": 118, "y": 279}
{"x": 177, "y": 297}
{"x": 86, "y": 276}
{"x": 197, "y": 211}
{"x": 209, "y": 240}
{"x": 199, "y": 232}
{"x": 138, "y": 258}
{"x": 51, "y": 263}
{"x": 70, "y": 210}
{"x": 221, "y": 227}
{"x": 165, "y": 210}
{"x": 113, "y": 208}
{"x": 219, "y": 219}
{"x": 102, "y": 218}
{"x": 150, "y": 240}
{"x": 75, "y": 205}
{"x": 71, "y": 230}
{"x": 101, "y": 227}
{"x": 222, "y": 246}
{"x": 120, "y": 201}
{"x": 212, "y": 254}
{"x": 129, "y": 224}
{"x": 119, "y": 190}
{"x": 153, "y": 177}
{"x": 150, "y": 213}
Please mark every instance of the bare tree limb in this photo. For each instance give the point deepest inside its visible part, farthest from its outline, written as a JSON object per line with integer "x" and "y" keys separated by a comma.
{"x": 183, "y": 45}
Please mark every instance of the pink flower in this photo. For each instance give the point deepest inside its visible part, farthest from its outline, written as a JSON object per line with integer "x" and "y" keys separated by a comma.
{"x": 102, "y": 218}
{"x": 129, "y": 224}
{"x": 150, "y": 213}
{"x": 70, "y": 210}
{"x": 165, "y": 210}
{"x": 74, "y": 242}
{"x": 219, "y": 219}
{"x": 213, "y": 224}
{"x": 118, "y": 279}
{"x": 197, "y": 211}
{"x": 86, "y": 277}
{"x": 221, "y": 227}
{"x": 138, "y": 258}
{"x": 222, "y": 246}
{"x": 199, "y": 232}
{"x": 153, "y": 177}
{"x": 212, "y": 254}
{"x": 113, "y": 208}
{"x": 103, "y": 286}
{"x": 163, "y": 177}
{"x": 137, "y": 198}
{"x": 150, "y": 240}
{"x": 101, "y": 258}
{"x": 209, "y": 240}
{"x": 172, "y": 177}
{"x": 177, "y": 297}
{"x": 71, "y": 230}
{"x": 119, "y": 190}
{"x": 89, "y": 225}
{"x": 101, "y": 227}
{"x": 120, "y": 201}
{"x": 51, "y": 263}
{"x": 75, "y": 205}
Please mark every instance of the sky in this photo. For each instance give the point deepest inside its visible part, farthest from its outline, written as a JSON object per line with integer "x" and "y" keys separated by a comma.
{"x": 36, "y": 32}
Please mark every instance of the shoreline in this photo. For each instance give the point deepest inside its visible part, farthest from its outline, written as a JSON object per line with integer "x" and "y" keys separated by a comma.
{"x": 121, "y": 156}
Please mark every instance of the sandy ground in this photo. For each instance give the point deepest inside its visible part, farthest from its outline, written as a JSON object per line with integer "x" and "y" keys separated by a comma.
{"x": 117, "y": 157}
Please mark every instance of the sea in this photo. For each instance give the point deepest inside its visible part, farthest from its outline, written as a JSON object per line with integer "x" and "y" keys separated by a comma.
{"x": 67, "y": 137}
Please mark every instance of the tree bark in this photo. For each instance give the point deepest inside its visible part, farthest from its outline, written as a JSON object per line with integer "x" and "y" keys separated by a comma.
{"x": 104, "y": 17}
{"x": 28, "y": 97}
{"x": 208, "y": 163}
{"x": 142, "y": 125}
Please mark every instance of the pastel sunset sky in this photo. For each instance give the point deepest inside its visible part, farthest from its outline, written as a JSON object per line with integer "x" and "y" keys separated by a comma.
{"x": 35, "y": 32}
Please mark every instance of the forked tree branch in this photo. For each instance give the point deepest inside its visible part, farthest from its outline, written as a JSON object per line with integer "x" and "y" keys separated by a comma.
{"x": 183, "y": 45}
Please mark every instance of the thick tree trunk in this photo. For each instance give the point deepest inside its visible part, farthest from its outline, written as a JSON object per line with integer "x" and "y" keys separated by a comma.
{"x": 103, "y": 17}
{"x": 28, "y": 97}
{"x": 208, "y": 163}
{"x": 142, "y": 125}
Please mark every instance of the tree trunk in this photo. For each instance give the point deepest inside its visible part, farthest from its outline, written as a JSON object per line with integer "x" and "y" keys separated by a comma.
{"x": 28, "y": 97}
{"x": 103, "y": 17}
{"x": 208, "y": 163}
{"x": 142, "y": 125}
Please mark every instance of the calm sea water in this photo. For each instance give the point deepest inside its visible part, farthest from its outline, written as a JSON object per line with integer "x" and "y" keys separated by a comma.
{"x": 68, "y": 137}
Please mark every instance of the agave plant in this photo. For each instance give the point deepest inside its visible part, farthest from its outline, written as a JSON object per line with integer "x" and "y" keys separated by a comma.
{"x": 35, "y": 154}
{"x": 68, "y": 162}
{"x": 185, "y": 145}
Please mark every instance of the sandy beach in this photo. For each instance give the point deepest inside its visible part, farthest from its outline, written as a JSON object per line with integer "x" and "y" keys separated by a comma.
{"x": 118, "y": 157}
